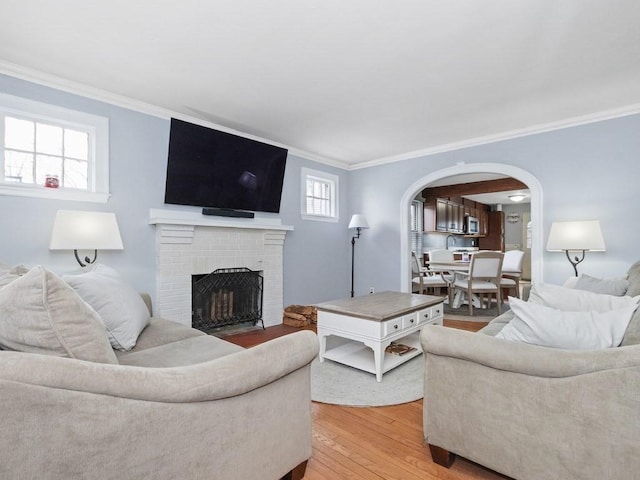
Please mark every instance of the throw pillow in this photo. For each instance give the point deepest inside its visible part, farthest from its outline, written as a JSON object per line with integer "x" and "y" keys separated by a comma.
{"x": 41, "y": 314}
{"x": 119, "y": 305}
{"x": 9, "y": 274}
{"x": 587, "y": 330}
{"x": 608, "y": 286}
{"x": 633, "y": 275}
{"x": 574, "y": 300}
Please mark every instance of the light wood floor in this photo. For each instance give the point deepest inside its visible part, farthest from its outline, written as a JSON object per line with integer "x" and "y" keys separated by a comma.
{"x": 373, "y": 443}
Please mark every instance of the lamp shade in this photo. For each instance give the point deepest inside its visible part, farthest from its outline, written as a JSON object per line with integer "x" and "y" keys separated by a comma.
{"x": 578, "y": 235}
{"x": 76, "y": 230}
{"x": 358, "y": 221}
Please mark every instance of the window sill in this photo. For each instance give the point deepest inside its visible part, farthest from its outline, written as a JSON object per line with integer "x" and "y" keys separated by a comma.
{"x": 54, "y": 193}
{"x": 318, "y": 218}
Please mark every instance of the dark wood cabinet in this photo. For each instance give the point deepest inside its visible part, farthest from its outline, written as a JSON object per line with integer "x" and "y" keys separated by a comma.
{"x": 441, "y": 215}
{"x": 494, "y": 238}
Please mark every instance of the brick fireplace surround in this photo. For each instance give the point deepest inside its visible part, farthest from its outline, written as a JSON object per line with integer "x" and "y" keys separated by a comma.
{"x": 190, "y": 243}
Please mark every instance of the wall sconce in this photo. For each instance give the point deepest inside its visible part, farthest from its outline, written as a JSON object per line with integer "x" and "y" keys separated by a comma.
{"x": 359, "y": 222}
{"x": 576, "y": 236}
{"x": 75, "y": 230}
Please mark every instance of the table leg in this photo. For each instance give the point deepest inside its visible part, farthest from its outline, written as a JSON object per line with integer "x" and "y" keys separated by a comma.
{"x": 322, "y": 338}
{"x": 378, "y": 356}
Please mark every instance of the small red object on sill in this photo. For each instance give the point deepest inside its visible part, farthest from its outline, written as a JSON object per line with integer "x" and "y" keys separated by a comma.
{"x": 51, "y": 181}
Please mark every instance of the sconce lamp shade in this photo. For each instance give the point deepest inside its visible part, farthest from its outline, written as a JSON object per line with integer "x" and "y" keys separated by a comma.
{"x": 579, "y": 235}
{"x": 358, "y": 221}
{"x": 76, "y": 230}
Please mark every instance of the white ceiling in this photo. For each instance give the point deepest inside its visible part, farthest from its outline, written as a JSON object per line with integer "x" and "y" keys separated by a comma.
{"x": 346, "y": 82}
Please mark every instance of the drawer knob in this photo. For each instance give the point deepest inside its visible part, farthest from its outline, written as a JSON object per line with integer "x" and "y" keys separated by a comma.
{"x": 395, "y": 326}
{"x": 412, "y": 320}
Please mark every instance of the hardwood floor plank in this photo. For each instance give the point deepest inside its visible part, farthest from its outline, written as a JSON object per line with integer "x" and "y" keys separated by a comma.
{"x": 372, "y": 443}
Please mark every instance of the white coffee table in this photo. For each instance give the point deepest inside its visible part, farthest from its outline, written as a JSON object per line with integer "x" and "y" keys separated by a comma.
{"x": 372, "y": 322}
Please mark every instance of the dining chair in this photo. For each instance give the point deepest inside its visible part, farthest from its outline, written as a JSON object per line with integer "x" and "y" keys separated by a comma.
{"x": 512, "y": 271}
{"x": 483, "y": 278}
{"x": 444, "y": 270}
{"x": 423, "y": 279}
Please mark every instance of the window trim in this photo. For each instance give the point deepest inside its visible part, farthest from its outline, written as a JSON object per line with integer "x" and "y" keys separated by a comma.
{"x": 98, "y": 128}
{"x": 335, "y": 205}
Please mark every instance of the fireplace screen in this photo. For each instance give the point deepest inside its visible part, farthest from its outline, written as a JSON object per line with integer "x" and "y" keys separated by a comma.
{"x": 227, "y": 296}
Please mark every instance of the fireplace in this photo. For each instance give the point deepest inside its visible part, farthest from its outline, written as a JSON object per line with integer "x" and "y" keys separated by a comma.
{"x": 226, "y": 296}
{"x": 190, "y": 244}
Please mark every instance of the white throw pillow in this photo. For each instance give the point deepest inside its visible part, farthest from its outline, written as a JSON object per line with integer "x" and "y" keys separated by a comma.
{"x": 609, "y": 286}
{"x": 574, "y": 300}
{"x": 8, "y": 274}
{"x": 119, "y": 305}
{"x": 41, "y": 314}
{"x": 587, "y": 330}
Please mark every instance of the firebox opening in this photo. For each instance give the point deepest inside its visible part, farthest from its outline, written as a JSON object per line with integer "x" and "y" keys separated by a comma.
{"x": 226, "y": 296}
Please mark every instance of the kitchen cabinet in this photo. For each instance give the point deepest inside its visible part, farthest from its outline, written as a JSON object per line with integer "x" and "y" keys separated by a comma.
{"x": 441, "y": 215}
{"x": 494, "y": 239}
{"x": 483, "y": 223}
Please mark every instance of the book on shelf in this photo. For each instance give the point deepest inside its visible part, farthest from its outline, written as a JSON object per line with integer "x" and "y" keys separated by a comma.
{"x": 399, "y": 349}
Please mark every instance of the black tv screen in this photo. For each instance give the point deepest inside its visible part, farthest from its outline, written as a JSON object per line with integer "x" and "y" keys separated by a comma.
{"x": 210, "y": 168}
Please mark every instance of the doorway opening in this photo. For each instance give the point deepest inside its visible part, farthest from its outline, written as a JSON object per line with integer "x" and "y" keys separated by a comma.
{"x": 535, "y": 232}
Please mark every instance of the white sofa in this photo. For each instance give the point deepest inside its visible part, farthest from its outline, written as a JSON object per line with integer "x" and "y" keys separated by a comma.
{"x": 179, "y": 405}
{"x": 533, "y": 412}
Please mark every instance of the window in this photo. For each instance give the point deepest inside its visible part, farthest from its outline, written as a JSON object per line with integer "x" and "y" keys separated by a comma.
{"x": 416, "y": 226}
{"x": 42, "y": 144}
{"x": 416, "y": 216}
{"x": 319, "y": 196}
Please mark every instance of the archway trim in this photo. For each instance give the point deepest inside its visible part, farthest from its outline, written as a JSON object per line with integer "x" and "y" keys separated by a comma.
{"x": 524, "y": 176}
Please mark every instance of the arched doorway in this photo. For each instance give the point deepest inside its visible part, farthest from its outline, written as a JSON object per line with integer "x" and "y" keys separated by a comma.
{"x": 536, "y": 212}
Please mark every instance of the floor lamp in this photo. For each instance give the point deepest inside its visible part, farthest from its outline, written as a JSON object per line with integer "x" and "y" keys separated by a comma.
{"x": 575, "y": 237}
{"x": 359, "y": 222}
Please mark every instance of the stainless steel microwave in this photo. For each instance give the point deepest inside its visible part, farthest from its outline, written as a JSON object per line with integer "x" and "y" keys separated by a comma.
{"x": 472, "y": 226}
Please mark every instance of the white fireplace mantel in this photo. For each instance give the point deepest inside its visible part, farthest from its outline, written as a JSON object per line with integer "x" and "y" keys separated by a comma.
{"x": 158, "y": 216}
{"x": 189, "y": 243}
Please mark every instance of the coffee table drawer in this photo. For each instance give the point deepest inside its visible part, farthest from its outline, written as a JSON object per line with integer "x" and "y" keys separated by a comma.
{"x": 430, "y": 315}
{"x": 410, "y": 320}
{"x": 392, "y": 326}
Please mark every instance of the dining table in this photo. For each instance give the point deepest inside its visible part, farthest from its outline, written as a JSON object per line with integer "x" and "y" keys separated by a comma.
{"x": 454, "y": 267}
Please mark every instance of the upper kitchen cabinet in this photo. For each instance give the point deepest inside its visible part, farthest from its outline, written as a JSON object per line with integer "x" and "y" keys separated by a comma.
{"x": 442, "y": 215}
{"x": 446, "y": 215}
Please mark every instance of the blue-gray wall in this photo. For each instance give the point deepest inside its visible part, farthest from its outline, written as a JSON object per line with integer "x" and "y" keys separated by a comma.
{"x": 586, "y": 172}
{"x": 317, "y": 254}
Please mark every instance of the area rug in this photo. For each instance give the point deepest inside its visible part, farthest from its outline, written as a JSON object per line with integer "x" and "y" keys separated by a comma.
{"x": 339, "y": 384}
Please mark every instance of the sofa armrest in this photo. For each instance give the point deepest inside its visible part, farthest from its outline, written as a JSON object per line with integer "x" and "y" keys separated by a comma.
{"x": 531, "y": 412}
{"x": 521, "y": 357}
{"x": 246, "y": 415}
{"x": 224, "y": 377}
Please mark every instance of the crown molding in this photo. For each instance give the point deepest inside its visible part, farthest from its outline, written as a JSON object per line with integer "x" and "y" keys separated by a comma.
{"x": 75, "y": 88}
{"x": 48, "y": 80}
{"x": 509, "y": 135}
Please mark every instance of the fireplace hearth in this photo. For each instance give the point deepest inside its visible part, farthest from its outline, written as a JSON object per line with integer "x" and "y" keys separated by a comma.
{"x": 226, "y": 296}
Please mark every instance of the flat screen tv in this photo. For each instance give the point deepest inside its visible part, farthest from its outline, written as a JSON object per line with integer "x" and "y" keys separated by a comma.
{"x": 210, "y": 168}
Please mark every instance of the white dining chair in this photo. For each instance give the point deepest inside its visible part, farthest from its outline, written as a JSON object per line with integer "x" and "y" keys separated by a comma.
{"x": 512, "y": 271}
{"x": 423, "y": 279}
{"x": 483, "y": 279}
